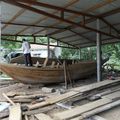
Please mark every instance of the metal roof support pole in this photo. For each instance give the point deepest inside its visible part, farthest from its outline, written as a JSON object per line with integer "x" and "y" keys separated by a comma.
{"x": 0, "y": 25}
{"x": 48, "y": 47}
{"x": 79, "y": 53}
{"x": 98, "y": 37}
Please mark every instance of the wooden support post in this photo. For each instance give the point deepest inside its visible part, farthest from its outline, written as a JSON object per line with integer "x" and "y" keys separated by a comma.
{"x": 68, "y": 74}
{"x": 45, "y": 62}
{"x": 53, "y": 64}
{"x": 65, "y": 75}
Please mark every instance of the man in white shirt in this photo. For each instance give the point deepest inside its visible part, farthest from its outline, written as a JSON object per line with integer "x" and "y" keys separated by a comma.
{"x": 26, "y": 52}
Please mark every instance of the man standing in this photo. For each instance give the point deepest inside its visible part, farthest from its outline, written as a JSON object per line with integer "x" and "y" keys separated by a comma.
{"x": 26, "y": 52}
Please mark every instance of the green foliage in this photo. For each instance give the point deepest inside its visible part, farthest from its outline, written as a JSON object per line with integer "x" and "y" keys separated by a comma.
{"x": 43, "y": 40}
{"x": 89, "y": 53}
{"x": 113, "y": 51}
{"x": 69, "y": 53}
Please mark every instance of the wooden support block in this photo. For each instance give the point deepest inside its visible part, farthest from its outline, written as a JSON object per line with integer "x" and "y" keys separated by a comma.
{"x": 15, "y": 112}
{"x": 43, "y": 116}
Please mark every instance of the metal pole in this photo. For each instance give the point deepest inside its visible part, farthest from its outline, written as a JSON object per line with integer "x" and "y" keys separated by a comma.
{"x": 79, "y": 53}
{"x": 0, "y": 25}
{"x": 0, "y": 33}
{"x": 99, "y": 74}
{"x": 48, "y": 47}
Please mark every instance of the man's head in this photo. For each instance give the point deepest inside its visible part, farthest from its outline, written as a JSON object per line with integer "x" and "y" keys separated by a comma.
{"x": 23, "y": 39}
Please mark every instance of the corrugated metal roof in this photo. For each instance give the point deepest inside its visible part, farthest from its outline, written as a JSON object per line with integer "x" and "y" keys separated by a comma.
{"x": 67, "y": 27}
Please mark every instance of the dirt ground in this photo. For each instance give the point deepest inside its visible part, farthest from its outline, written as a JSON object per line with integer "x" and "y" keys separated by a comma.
{"x": 113, "y": 114}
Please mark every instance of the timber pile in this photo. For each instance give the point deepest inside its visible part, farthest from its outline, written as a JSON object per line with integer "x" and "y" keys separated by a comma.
{"x": 36, "y": 104}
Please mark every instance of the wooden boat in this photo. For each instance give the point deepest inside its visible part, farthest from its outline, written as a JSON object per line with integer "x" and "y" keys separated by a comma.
{"x": 45, "y": 75}
{"x": 20, "y": 60}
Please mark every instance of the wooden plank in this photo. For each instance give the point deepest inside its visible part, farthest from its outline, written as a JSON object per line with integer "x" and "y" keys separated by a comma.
{"x": 113, "y": 96}
{"x": 95, "y": 85}
{"x": 15, "y": 112}
{"x": 28, "y": 96}
{"x": 81, "y": 109}
{"x": 26, "y": 117}
{"x": 52, "y": 100}
{"x": 96, "y": 117}
{"x": 11, "y": 87}
{"x": 97, "y": 110}
{"x": 8, "y": 99}
{"x": 4, "y": 114}
{"x": 74, "y": 92}
{"x": 40, "y": 110}
{"x": 43, "y": 116}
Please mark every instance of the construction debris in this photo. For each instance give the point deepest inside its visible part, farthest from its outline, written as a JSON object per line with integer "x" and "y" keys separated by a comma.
{"x": 79, "y": 103}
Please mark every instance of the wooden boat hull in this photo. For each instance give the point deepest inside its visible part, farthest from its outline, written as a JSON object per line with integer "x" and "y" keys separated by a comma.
{"x": 20, "y": 60}
{"x": 34, "y": 75}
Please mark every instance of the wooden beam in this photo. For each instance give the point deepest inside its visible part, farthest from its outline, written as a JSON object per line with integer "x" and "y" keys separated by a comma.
{"x": 81, "y": 35}
{"x": 109, "y": 13}
{"x": 111, "y": 26}
{"x": 42, "y": 116}
{"x": 14, "y": 17}
{"x": 46, "y": 17}
{"x": 90, "y": 10}
{"x": 71, "y": 17}
{"x": 58, "y": 18}
{"x": 55, "y": 7}
{"x": 76, "y": 91}
{"x": 68, "y": 114}
{"x": 30, "y": 25}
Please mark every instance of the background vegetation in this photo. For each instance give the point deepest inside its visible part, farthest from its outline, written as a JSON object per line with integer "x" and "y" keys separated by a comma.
{"x": 89, "y": 53}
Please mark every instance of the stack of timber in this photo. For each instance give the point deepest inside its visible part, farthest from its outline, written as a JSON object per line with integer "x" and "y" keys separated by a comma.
{"x": 34, "y": 104}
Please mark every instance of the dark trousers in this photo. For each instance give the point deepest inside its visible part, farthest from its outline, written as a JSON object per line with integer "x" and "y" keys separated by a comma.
{"x": 28, "y": 60}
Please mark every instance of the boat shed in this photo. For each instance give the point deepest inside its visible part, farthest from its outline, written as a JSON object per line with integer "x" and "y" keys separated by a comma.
{"x": 79, "y": 24}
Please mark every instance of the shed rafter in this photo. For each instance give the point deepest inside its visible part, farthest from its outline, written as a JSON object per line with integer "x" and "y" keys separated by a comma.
{"x": 13, "y": 18}
{"x": 29, "y": 25}
{"x": 58, "y": 18}
{"x": 97, "y": 6}
{"x": 62, "y": 9}
{"x": 70, "y": 3}
{"x": 115, "y": 11}
{"x": 83, "y": 33}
